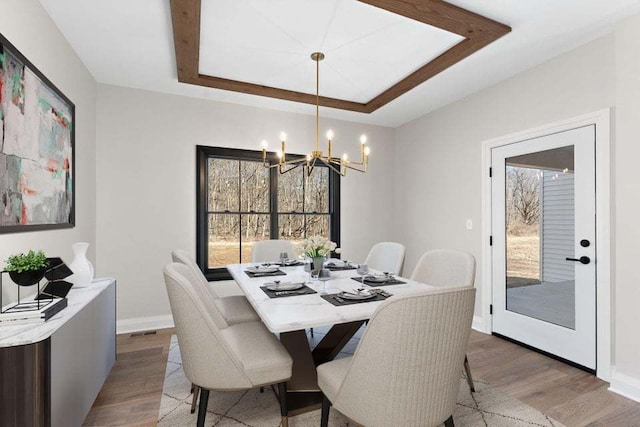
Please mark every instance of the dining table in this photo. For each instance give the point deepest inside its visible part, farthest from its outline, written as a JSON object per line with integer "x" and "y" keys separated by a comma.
{"x": 290, "y": 313}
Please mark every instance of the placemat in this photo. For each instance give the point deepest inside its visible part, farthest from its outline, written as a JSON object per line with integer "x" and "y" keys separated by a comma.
{"x": 337, "y": 301}
{"x": 275, "y": 273}
{"x": 344, "y": 268}
{"x": 280, "y": 294}
{"x": 393, "y": 281}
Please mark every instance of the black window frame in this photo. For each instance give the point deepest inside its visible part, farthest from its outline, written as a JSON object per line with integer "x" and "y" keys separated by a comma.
{"x": 203, "y": 153}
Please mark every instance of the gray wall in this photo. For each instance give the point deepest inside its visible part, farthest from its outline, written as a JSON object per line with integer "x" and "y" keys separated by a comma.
{"x": 146, "y": 181}
{"x": 439, "y": 156}
{"x": 28, "y": 27}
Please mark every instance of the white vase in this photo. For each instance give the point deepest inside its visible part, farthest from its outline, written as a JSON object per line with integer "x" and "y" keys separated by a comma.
{"x": 81, "y": 267}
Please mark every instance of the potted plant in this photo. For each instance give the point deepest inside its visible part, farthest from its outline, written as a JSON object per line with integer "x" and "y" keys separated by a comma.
{"x": 27, "y": 269}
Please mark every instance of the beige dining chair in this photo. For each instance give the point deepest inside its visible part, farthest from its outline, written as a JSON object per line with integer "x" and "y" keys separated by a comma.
{"x": 269, "y": 250}
{"x": 234, "y": 308}
{"x": 447, "y": 268}
{"x": 219, "y": 356}
{"x": 406, "y": 369}
{"x": 386, "y": 256}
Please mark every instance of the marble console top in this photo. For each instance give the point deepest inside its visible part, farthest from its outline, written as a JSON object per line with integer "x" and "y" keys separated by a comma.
{"x": 77, "y": 299}
{"x": 310, "y": 311}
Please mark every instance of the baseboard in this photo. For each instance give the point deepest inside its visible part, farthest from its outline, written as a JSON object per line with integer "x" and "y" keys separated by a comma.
{"x": 138, "y": 324}
{"x": 625, "y": 385}
{"x": 478, "y": 324}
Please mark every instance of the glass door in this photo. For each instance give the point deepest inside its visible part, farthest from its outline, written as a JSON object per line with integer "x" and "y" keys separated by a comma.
{"x": 543, "y": 226}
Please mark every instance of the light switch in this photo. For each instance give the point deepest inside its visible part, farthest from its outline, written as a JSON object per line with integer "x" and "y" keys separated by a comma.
{"x": 469, "y": 224}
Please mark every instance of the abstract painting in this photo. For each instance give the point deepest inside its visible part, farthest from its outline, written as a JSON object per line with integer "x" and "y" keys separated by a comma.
{"x": 36, "y": 148}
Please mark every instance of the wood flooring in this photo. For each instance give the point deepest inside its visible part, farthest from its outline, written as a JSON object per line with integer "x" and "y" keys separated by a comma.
{"x": 133, "y": 390}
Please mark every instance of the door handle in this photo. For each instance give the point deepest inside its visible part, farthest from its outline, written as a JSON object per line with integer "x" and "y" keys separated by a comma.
{"x": 583, "y": 259}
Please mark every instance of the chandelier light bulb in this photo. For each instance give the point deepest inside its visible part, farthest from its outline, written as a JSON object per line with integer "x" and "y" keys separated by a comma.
{"x": 345, "y": 157}
{"x": 367, "y": 151}
{"x": 363, "y": 139}
{"x": 309, "y": 157}
{"x": 330, "y": 134}
{"x": 264, "y": 144}
{"x": 283, "y": 136}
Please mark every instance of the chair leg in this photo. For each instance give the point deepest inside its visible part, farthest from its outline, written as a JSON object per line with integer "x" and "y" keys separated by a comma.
{"x": 311, "y": 330}
{"x": 196, "y": 390}
{"x": 324, "y": 417}
{"x": 202, "y": 410}
{"x": 282, "y": 396}
{"x": 449, "y": 422}
{"x": 467, "y": 369}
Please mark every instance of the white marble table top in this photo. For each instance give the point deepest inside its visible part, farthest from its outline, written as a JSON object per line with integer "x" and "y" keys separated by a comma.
{"x": 310, "y": 311}
{"x": 30, "y": 333}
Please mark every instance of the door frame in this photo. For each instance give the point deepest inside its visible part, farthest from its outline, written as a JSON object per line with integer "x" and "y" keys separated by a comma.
{"x": 601, "y": 119}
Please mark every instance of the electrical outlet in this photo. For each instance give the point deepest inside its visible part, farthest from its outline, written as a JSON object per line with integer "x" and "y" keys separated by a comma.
{"x": 469, "y": 224}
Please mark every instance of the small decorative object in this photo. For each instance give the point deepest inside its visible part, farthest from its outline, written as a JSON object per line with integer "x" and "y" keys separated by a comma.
{"x": 317, "y": 248}
{"x": 27, "y": 269}
{"x": 37, "y": 128}
{"x": 81, "y": 267}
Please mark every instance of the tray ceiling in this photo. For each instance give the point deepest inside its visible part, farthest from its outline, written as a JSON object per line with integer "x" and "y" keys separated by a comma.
{"x": 376, "y": 50}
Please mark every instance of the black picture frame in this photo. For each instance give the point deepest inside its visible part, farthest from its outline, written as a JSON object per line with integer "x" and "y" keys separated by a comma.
{"x": 64, "y": 218}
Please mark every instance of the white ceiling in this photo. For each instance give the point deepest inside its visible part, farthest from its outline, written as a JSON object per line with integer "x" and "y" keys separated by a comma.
{"x": 130, "y": 43}
{"x": 270, "y": 42}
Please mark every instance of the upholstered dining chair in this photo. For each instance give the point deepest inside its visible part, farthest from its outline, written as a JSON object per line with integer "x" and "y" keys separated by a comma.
{"x": 219, "y": 356}
{"x": 447, "y": 268}
{"x": 234, "y": 308}
{"x": 386, "y": 256}
{"x": 406, "y": 369}
{"x": 269, "y": 250}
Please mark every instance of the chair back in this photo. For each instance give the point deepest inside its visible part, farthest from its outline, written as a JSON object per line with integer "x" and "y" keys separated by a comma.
{"x": 386, "y": 256}
{"x": 269, "y": 250}
{"x": 181, "y": 256}
{"x": 406, "y": 369}
{"x": 206, "y": 357}
{"x": 445, "y": 268}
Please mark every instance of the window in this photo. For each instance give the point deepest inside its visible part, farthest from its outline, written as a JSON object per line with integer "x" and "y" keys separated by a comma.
{"x": 240, "y": 202}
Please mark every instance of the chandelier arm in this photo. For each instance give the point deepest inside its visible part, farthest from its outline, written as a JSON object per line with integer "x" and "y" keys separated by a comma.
{"x": 330, "y": 166}
{"x": 351, "y": 165}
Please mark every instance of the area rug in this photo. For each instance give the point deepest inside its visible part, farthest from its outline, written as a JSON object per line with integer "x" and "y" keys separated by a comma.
{"x": 486, "y": 407}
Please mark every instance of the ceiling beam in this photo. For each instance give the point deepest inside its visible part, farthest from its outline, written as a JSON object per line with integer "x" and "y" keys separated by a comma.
{"x": 478, "y": 31}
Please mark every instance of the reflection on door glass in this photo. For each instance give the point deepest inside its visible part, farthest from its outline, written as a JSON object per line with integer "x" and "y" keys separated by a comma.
{"x": 540, "y": 229}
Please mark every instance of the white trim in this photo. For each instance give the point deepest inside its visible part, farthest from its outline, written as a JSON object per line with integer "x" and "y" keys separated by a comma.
{"x": 602, "y": 120}
{"x": 138, "y": 324}
{"x": 625, "y": 385}
{"x": 478, "y": 324}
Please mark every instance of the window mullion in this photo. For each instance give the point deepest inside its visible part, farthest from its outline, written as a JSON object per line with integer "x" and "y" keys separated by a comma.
{"x": 240, "y": 209}
{"x": 273, "y": 195}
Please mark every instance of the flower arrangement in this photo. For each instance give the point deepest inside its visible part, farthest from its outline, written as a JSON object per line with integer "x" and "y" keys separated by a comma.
{"x": 317, "y": 246}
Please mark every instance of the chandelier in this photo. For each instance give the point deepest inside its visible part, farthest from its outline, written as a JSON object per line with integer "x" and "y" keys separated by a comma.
{"x": 308, "y": 162}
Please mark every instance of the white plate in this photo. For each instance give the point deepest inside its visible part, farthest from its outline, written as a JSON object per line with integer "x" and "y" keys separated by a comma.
{"x": 359, "y": 296}
{"x": 287, "y": 286}
{"x": 262, "y": 269}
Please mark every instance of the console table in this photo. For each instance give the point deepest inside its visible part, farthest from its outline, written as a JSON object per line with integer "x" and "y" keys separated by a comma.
{"x": 51, "y": 372}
